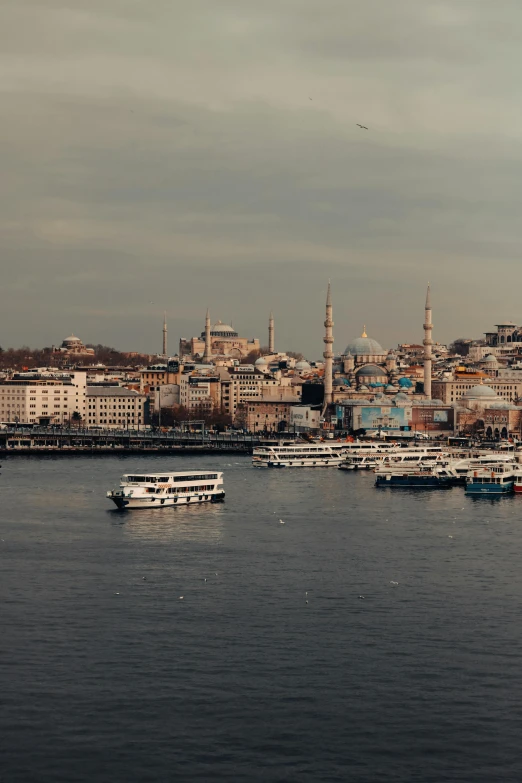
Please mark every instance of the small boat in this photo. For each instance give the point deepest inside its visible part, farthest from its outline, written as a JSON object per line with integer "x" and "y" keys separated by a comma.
{"x": 420, "y": 477}
{"x": 496, "y": 479}
{"x": 168, "y": 489}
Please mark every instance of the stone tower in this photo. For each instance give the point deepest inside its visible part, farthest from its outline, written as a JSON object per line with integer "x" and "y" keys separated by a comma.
{"x": 208, "y": 347}
{"x": 165, "y": 334}
{"x": 328, "y": 354}
{"x": 427, "y": 342}
{"x": 271, "y": 342}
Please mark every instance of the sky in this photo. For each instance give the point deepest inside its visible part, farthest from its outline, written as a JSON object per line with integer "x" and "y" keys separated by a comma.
{"x": 165, "y": 155}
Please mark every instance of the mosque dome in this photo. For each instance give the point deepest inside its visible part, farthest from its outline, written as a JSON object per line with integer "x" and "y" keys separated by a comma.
{"x": 261, "y": 362}
{"x": 363, "y": 388}
{"x": 72, "y": 340}
{"x": 405, "y": 383}
{"x": 302, "y": 366}
{"x": 222, "y": 330}
{"x": 341, "y": 382}
{"x": 364, "y": 346}
{"x": 390, "y": 387}
{"x": 371, "y": 371}
{"x": 479, "y": 392}
{"x": 491, "y": 360}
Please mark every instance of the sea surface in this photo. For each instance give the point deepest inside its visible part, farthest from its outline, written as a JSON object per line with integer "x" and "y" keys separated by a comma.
{"x": 275, "y": 668}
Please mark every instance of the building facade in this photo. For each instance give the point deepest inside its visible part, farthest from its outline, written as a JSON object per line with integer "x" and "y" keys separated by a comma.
{"x": 114, "y": 407}
{"x": 46, "y": 398}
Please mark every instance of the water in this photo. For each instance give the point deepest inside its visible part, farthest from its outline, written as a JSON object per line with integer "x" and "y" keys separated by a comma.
{"x": 110, "y": 677}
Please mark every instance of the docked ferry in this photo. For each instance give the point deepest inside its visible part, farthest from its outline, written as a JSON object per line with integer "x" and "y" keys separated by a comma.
{"x": 310, "y": 455}
{"x": 419, "y": 476}
{"x": 496, "y": 479}
{"x": 168, "y": 489}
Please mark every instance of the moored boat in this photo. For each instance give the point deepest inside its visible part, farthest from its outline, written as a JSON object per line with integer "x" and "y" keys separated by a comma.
{"x": 496, "y": 479}
{"x": 517, "y": 484}
{"x": 157, "y": 490}
{"x": 310, "y": 455}
{"x": 422, "y": 476}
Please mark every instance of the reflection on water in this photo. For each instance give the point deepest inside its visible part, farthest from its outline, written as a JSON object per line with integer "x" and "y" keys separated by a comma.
{"x": 195, "y": 523}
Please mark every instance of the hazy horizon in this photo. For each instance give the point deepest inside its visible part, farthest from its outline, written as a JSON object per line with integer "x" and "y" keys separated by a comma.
{"x": 171, "y": 156}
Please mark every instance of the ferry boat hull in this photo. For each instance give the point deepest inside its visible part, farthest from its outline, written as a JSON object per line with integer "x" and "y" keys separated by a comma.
{"x": 517, "y": 488}
{"x": 489, "y": 489}
{"x": 123, "y": 501}
{"x": 409, "y": 481}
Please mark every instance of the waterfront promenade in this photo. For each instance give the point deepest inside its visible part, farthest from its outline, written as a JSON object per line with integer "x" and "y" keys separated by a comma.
{"x": 49, "y": 440}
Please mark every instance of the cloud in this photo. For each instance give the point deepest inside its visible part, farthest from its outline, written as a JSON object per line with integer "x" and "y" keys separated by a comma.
{"x": 209, "y": 152}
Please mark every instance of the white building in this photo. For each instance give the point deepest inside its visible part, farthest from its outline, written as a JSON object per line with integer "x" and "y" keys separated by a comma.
{"x": 114, "y": 407}
{"x": 46, "y": 397}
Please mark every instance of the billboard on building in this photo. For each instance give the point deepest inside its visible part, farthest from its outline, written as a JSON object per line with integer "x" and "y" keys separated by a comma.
{"x": 427, "y": 418}
{"x": 305, "y": 417}
{"x": 384, "y": 417}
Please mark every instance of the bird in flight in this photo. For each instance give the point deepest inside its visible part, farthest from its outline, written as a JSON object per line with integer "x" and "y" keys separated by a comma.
{"x": 361, "y": 126}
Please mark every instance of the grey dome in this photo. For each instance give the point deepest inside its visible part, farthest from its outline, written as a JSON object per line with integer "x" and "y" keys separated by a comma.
{"x": 491, "y": 360}
{"x": 364, "y": 346}
{"x": 260, "y": 362}
{"x": 370, "y": 371}
{"x": 481, "y": 390}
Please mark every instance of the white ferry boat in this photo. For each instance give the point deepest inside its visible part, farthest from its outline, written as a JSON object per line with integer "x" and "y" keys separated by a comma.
{"x": 310, "y": 455}
{"x": 404, "y": 458}
{"x": 157, "y": 490}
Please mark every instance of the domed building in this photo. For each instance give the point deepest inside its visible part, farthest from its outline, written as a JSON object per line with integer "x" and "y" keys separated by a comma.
{"x": 73, "y": 346}
{"x": 480, "y": 396}
{"x": 367, "y": 365}
{"x": 221, "y": 340}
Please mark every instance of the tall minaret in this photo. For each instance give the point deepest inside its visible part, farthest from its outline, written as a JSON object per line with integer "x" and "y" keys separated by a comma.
{"x": 328, "y": 355}
{"x": 427, "y": 342}
{"x": 165, "y": 334}
{"x": 271, "y": 342}
{"x": 208, "y": 348}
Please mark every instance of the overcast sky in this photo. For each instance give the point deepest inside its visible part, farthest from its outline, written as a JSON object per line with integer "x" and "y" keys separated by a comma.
{"x": 165, "y": 154}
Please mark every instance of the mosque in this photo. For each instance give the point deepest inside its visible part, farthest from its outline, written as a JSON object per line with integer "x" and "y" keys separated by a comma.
{"x": 73, "y": 346}
{"x": 365, "y": 367}
{"x": 218, "y": 340}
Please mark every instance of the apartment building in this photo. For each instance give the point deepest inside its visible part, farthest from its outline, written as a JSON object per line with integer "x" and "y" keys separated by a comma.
{"x": 43, "y": 397}
{"x": 115, "y": 407}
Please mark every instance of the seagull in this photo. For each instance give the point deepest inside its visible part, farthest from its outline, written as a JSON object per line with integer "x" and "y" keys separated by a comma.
{"x": 361, "y": 596}
{"x": 281, "y": 521}
{"x": 450, "y": 536}
{"x": 393, "y": 583}
{"x": 144, "y": 578}
{"x": 205, "y": 580}
{"x": 363, "y": 127}
{"x": 181, "y": 598}
{"x": 116, "y": 593}
{"x": 306, "y": 602}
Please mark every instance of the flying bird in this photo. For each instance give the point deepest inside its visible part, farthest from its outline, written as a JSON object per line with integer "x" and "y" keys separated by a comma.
{"x": 361, "y": 126}
{"x": 281, "y": 522}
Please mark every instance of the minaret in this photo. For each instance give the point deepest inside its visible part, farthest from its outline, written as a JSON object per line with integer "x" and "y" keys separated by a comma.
{"x": 427, "y": 342}
{"x": 328, "y": 355}
{"x": 271, "y": 342}
{"x": 208, "y": 348}
{"x": 165, "y": 334}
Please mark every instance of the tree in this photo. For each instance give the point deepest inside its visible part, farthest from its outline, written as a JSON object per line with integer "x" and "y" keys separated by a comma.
{"x": 295, "y": 355}
{"x": 76, "y": 418}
